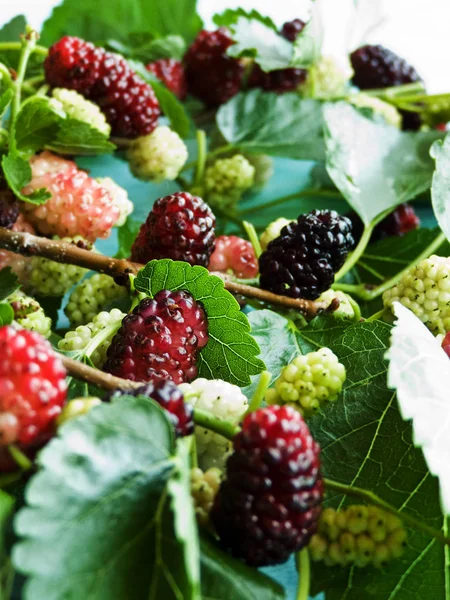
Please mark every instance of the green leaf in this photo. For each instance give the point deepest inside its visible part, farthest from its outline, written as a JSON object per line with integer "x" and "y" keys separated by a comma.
{"x": 77, "y": 137}
{"x": 9, "y": 282}
{"x": 117, "y": 19}
{"x": 11, "y": 32}
{"x": 231, "y": 352}
{"x": 17, "y": 172}
{"x": 172, "y": 108}
{"x": 375, "y": 166}
{"x": 126, "y": 234}
{"x": 6, "y": 573}
{"x": 37, "y": 124}
{"x": 98, "y": 519}
{"x": 6, "y": 313}
{"x": 419, "y": 370}
{"x": 224, "y": 577}
{"x": 148, "y": 49}
{"x": 279, "y": 125}
{"x": 5, "y": 101}
{"x": 230, "y": 17}
{"x": 440, "y": 188}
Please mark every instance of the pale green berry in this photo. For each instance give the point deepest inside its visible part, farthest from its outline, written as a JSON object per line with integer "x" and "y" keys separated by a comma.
{"x": 273, "y": 231}
{"x": 309, "y": 381}
{"x": 204, "y": 488}
{"x": 76, "y": 408}
{"x": 158, "y": 156}
{"x": 29, "y": 314}
{"x": 327, "y": 79}
{"x": 385, "y": 110}
{"x": 425, "y": 290}
{"x": 227, "y": 179}
{"x": 77, "y": 107}
{"x": 348, "y": 309}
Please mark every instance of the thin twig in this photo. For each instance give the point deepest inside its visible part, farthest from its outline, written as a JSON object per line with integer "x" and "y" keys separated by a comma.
{"x": 63, "y": 252}
{"x": 96, "y": 377}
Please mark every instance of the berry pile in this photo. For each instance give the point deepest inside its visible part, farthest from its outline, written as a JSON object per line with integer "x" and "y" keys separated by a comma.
{"x": 32, "y": 387}
{"x": 127, "y": 101}
{"x": 309, "y": 381}
{"x": 425, "y": 289}
{"x": 302, "y": 261}
{"x": 180, "y": 227}
{"x": 269, "y": 504}
{"x": 234, "y": 254}
{"x": 358, "y": 535}
{"x": 169, "y": 397}
{"x": 226, "y": 402}
{"x": 160, "y": 338}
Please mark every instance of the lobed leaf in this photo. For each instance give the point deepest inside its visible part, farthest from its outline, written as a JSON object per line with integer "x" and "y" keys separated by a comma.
{"x": 17, "y": 173}
{"x": 231, "y": 353}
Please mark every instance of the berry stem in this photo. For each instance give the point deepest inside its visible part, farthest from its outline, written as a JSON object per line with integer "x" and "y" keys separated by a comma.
{"x": 5, "y": 46}
{"x": 22, "y": 461}
{"x": 372, "y": 498}
{"x": 201, "y": 156}
{"x": 28, "y": 45}
{"x": 253, "y": 237}
{"x": 62, "y": 252}
{"x": 258, "y": 396}
{"x": 209, "y": 421}
{"x": 304, "y": 571}
{"x": 377, "y": 316}
{"x": 283, "y": 199}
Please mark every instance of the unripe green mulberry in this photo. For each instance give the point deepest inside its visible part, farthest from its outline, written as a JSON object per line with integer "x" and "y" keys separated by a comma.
{"x": 75, "y": 408}
{"x": 158, "y": 156}
{"x": 327, "y": 79}
{"x": 309, "y": 381}
{"x": 204, "y": 487}
{"x": 263, "y": 165}
{"x": 120, "y": 198}
{"x": 358, "y": 535}
{"x": 385, "y": 110}
{"x": 45, "y": 277}
{"x": 227, "y": 179}
{"x": 272, "y": 231}
{"x": 425, "y": 290}
{"x": 94, "y": 339}
{"x": 29, "y": 314}
{"x": 348, "y": 308}
{"x": 98, "y": 293}
{"x": 77, "y": 107}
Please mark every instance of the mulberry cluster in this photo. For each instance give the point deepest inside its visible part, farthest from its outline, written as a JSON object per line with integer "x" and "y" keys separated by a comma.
{"x": 93, "y": 295}
{"x": 309, "y": 381}
{"x": 358, "y": 535}
{"x": 425, "y": 290}
{"x": 226, "y": 402}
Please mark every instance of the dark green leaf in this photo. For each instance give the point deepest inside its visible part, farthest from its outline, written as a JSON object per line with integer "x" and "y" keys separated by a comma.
{"x": 5, "y": 101}
{"x": 169, "y": 103}
{"x": 375, "y": 166}
{"x": 366, "y": 443}
{"x": 98, "y": 520}
{"x": 440, "y": 188}
{"x": 10, "y": 32}
{"x": 37, "y": 124}
{"x": 126, "y": 235}
{"x": 17, "y": 172}
{"x": 225, "y": 578}
{"x": 117, "y": 19}
{"x": 279, "y": 125}
{"x": 9, "y": 282}
{"x": 76, "y": 137}
{"x": 230, "y": 17}
{"x": 231, "y": 352}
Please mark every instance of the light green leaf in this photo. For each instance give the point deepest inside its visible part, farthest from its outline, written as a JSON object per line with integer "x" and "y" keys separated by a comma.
{"x": 146, "y": 48}
{"x": 17, "y": 173}
{"x": 117, "y": 19}
{"x": 77, "y": 137}
{"x": 230, "y": 16}
{"x": 279, "y": 125}
{"x": 5, "y": 101}
{"x": 375, "y": 166}
{"x": 10, "y": 32}
{"x": 98, "y": 520}
{"x": 231, "y": 352}
{"x": 419, "y": 370}
{"x": 9, "y": 282}
{"x": 37, "y": 124}
{"x": 225, "y": 578}
{"x": 440, "y": 188}
{"x": 6, "y": 313}
{"x": 366, "y": 443}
